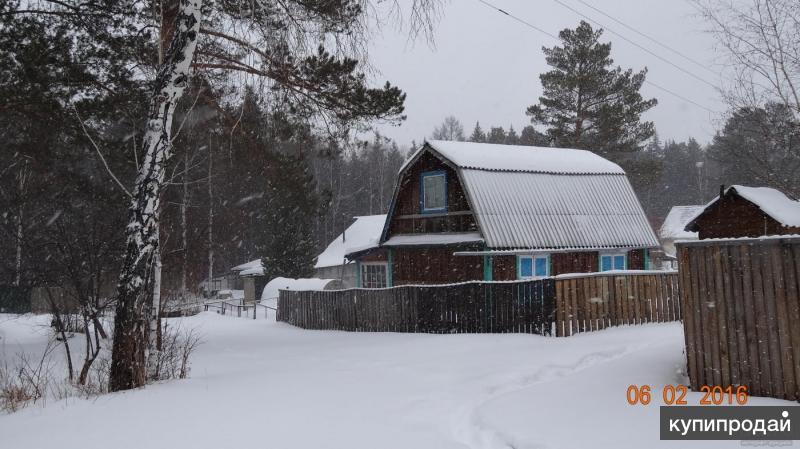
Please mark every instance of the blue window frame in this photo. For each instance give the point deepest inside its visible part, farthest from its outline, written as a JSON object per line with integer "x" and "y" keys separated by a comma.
{"x": 532, "y": 267}
{"x": 433, "y": 191}
{"x": 613, "y": 261}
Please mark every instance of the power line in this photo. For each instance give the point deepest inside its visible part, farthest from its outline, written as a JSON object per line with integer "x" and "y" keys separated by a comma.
{"x": 534, "y": 27}
{"x": 643, "y": 48}
{"x": 652, "y": 39}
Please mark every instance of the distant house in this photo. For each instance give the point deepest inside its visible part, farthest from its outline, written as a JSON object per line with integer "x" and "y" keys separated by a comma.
{"x": 468, "y": 211}
{"x": 363, "y": 234}
{"x": 741, "y": 211}
{"x": 253, "y": 279}
{"x": 674, "y": 226}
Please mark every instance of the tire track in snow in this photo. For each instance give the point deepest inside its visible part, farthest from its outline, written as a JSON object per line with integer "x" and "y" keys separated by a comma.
{"x": 470, "y": 431}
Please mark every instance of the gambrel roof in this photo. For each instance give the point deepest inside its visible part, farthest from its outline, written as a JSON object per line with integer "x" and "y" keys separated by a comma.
{"x": 526, "y": 197}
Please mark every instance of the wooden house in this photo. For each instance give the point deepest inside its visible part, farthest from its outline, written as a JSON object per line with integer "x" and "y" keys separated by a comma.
{"x": 741, "y": 211}
{"x": 468, "y": 211}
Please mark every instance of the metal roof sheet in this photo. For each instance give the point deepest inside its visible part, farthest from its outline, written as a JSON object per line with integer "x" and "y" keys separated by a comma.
{"x": 541, "y": 210}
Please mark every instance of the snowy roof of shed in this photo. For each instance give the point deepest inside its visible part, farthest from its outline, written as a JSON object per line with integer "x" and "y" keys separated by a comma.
{"x": 252, "y": 268}
{"x": 521, "y": 158}
{"x": 677, "y": 219}
{"x": 774, "y": 203}
{"x": 531, "y": 198}
{"x": 363, "y": 234}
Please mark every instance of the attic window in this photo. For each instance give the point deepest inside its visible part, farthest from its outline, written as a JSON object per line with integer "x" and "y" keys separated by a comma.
{"x": 434, "y": 191}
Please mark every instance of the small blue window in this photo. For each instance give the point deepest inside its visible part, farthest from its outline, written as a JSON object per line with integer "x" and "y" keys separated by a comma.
{"x": 534, "y": 266}
{"x": 541, "y": 267}
{"x": 526, "y": 267}
{"x": 433, "y": 192}
{"x": 612, "y": 262}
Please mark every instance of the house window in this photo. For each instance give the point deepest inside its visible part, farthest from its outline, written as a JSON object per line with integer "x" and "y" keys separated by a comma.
{"x": 613, "y": 261}
{"x": 533, "y": 267}
{"x": 434, "y": 191}
{"x": 373, "y": 275}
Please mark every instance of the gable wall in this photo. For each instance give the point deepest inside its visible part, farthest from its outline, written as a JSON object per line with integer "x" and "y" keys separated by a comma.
{"x": 407, "y": 217}
{"x": 733, "y": 216}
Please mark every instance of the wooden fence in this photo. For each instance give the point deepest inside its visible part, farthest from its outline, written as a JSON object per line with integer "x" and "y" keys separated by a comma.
{"x": 565, "y": 306}
{"x": 592, "y": 302}
{"x": 742, "y": 314}
{"x": 472, "y": 307}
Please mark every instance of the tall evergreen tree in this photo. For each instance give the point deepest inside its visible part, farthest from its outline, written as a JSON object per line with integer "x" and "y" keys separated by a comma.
{"x": 587, "y": 103}
{"x": 511, "y": 137}
{"x": 477, "y": 134}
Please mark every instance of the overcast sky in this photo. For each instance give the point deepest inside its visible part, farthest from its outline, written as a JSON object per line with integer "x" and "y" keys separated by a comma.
{"x": 485, "y": 66}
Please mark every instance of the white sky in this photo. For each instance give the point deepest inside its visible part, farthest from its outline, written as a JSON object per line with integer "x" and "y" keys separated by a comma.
{"x": 485, "y": 66}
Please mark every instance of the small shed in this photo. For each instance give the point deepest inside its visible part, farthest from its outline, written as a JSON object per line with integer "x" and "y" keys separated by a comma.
{"x": 741, "y": 211}
{"x": 252, "y": 276}
{"x": 269, "y": 296}
{"x": 363, "y": 234}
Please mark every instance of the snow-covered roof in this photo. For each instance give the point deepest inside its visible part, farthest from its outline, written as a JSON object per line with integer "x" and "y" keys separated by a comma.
{"x": 678, "y": 217}
{"x": 252, "y": 268}
{"x": 774, "y": 203}
{"x": 517, "y": 210}
{"x": 520, "y": 158}
{"x": 434, "y": 239}
{"x": 363, "y": 234}
{"x": 280, "y": 283}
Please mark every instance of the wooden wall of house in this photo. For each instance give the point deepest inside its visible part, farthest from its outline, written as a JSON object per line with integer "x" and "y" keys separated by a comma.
{"x": 578, "y": 262}
{"x": 636, "y": 259}
{"x": 434, "y": 266}
{"x": 504, "y": 268}
{"x": 733, "y": 217}
{"x": 407, "y": 217}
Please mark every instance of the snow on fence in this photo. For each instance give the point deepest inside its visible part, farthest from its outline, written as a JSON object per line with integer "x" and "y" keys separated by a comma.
{"x": 741, "y": 302}
{"x": 564, "y": 306}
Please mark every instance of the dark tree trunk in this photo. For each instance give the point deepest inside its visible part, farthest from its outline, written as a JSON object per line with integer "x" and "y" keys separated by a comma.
{"x": 131, "y": 323}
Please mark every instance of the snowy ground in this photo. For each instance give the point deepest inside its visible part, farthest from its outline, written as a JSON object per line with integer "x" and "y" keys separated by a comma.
{"x": 258, "y": 384}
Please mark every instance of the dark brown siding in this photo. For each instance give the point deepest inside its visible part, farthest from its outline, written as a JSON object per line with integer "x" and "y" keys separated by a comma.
{"x": 407, "y": 217}
{"x": 376, "y": 255}
{"x": 733, "y": 216}
{"x": 583, "y": 262}
{"x": 504, "y": 268}
{"x": 636, "y": 259}
{"x": 434, "y": 266}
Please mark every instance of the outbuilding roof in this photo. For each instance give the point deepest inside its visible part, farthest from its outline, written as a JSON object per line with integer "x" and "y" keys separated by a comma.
{"x": 678, "y": 217}
{"x": 772, "y": 202}
{"x": 363, "y": 234}
{"x": 545, "y": 198}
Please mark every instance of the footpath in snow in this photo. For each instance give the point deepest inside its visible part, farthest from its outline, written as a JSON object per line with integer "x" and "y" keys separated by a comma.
{"x": 259, "y": 384}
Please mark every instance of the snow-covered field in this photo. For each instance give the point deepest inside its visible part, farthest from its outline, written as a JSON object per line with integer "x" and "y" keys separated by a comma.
{"x": 260, "y": 384}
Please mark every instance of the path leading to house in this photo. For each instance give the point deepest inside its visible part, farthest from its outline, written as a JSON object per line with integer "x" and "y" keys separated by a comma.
{"x": 259, "y": 384}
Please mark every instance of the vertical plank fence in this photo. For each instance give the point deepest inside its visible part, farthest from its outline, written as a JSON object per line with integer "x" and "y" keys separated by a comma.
{"x": 595, "y": 301}
{"x": 564, "y": 305}
{"x": 741, "y": 302}
{"x": 473, "y": 307}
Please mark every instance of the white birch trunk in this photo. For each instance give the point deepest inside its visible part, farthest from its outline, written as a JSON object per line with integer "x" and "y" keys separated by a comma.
{"x": 128, "y": 364}
{"x": 210, "y": 223}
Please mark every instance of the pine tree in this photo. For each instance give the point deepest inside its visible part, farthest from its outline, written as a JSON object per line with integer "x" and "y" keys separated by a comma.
{"x": 477, "y": 134}
{"x": 511, "y": 137}
{"x": 531, "y": 137}
{"x": 496, "y": 134}
{"x": 586, "y": 102}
